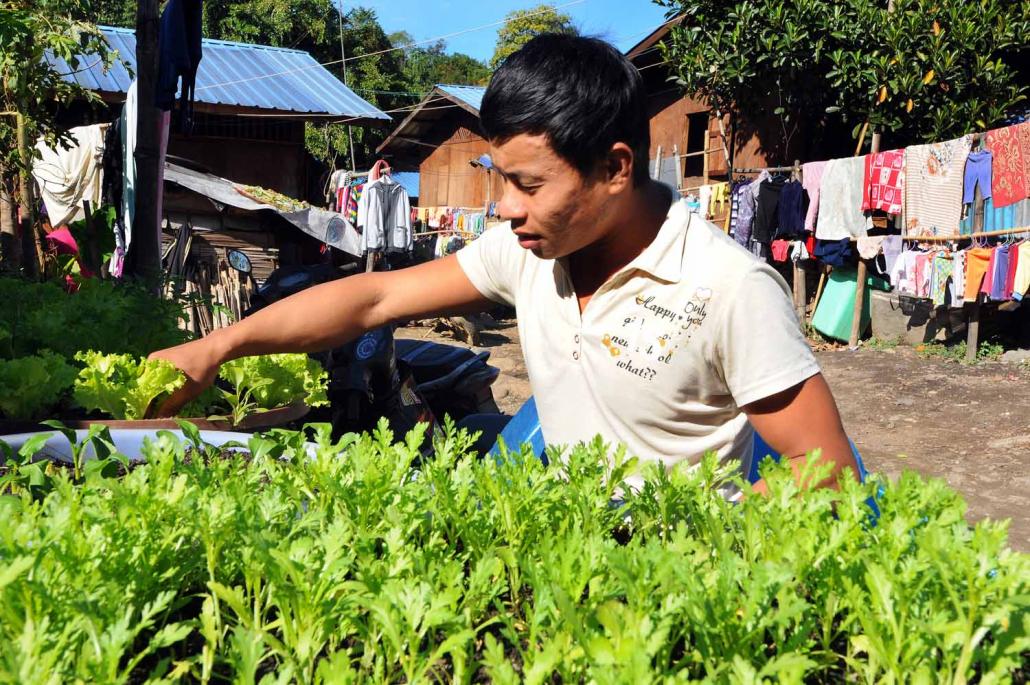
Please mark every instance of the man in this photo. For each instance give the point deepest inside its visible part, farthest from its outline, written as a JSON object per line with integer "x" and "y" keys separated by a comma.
{"x": 639, "y": 322}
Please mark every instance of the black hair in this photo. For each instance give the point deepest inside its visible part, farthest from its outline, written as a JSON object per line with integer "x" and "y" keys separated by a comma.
{"x": 582, "y": 93}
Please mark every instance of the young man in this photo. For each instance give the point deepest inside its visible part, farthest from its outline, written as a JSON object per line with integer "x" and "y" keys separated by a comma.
{"x": 639, "y": 322}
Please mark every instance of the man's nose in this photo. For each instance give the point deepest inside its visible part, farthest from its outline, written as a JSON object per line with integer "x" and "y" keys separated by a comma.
{"x": 511, "y": 207}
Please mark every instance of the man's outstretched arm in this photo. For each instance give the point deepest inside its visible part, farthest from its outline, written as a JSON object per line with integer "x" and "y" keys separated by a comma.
{"x": 802, "y": 419}
{"x": 326, "y": 316}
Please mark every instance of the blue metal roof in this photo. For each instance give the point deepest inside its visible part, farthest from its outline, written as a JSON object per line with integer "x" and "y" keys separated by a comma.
{"x": 470, "y": 95}
{"x": 235, "y": 74}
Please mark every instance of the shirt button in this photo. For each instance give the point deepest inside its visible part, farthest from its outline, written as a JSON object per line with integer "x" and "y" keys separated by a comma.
{"x": 575, "y": 355}
{"x": 576, "y": 338}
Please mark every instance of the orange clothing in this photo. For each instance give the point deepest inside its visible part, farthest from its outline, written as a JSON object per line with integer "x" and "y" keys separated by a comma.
{"x": 977, "y": 261}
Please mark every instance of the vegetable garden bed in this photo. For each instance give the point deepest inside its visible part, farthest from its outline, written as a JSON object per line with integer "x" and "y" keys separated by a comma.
{"x": 323, "y": 562}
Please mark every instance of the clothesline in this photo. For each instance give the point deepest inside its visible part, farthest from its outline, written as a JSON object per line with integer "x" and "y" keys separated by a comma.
{"x": 966, "y": 236}
{"x": 758, "y": 170}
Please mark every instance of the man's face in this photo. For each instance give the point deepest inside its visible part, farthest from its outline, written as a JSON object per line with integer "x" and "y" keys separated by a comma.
{"x": 554, "y": 210}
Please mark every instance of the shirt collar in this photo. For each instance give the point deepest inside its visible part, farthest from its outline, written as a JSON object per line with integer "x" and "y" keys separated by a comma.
{"x": 663, "y": 258}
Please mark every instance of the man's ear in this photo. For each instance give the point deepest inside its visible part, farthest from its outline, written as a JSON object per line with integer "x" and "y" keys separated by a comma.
{"x": 619, "y": 168}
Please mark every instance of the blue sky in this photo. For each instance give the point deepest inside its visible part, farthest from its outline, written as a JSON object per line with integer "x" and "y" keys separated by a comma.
{"x": 623, "y": 22}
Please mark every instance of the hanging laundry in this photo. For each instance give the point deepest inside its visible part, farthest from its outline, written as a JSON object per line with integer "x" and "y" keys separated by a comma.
{"x": 1010, "y": 178}
{"x": 884, "y": 182}
{"x": 735, "y": 200}
{"x": 943, "y": 266}
{"x": 767, "y": 217}
{"x": 999, "y": 273}
{"x": 891, "y": 248}
{"x": 180, "y": 52}
{"x": 1010, "y": 277}
{"x": 903, "y": 273}
{"x": 1021, "y": 281}
{"x": 780, "y": 249}
{"x": 704, "y": 196}
{"x": 869, "y": 248}
{"x": 958, "y": 279}
{"x": 791, "y": 211}
{"x": 834, "y": 252}
{"x": 384, "y": 215}
{"x": 840, "y": 200}
{"x": 978, "y": 172}
{"x": 933, "y": 187}
{"x": 68, "y": 176}
{"x": 978, "y": 260}
{"x": 748, "y": 204}
{"x": 811, "y": 180}
{"x": 799, "y": 251}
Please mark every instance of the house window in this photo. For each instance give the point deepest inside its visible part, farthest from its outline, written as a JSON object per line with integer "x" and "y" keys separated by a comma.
{"x": 697, "y": 141}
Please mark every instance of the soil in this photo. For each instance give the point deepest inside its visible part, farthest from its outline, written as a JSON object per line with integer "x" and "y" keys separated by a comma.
{"x": 966, "y": 424}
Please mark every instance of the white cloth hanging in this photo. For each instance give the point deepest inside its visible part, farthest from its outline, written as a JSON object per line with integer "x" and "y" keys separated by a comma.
{"x": 69, "y": 176}
{"x": 384, "y": 215}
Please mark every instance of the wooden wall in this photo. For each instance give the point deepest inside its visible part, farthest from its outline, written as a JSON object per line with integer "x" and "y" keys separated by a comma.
{"x": 276, "y": 164}
{"x": 447, "y": 178}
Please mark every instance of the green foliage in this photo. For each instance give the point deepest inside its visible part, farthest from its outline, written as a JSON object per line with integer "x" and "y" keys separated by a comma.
{"x": 123, "y": 386}
{"x": 28, "y": 85}
{"x": 97, "y": 317}
{"x": 522, "y": 25}
{"x": 30, "y": 385}
{"x": 881, "y": 344}
{"x": 929, "y": 70}
{"x": 987, "y": 352}
{"x": 338, "y": 563}
{"x": 276, "y": 380}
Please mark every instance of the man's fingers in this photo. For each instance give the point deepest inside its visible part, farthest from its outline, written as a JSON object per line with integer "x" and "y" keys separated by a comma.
{"x": 171, "y": 406}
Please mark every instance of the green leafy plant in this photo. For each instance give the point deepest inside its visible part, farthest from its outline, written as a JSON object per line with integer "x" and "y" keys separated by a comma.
{"x": 276, "y": 380}
{"x": 31, "y": 385}
{"x": 96, "y": 317}
{"x": 285, "y": 560}
{"x": 123, "y": 386}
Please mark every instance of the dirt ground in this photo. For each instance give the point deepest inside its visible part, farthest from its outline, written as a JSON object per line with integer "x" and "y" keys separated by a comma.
{"x": 969, "y": 425}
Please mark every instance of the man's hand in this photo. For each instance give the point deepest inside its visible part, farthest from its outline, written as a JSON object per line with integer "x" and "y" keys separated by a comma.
{"x": 199, "y": 361}
{"x": 799, "y": 420}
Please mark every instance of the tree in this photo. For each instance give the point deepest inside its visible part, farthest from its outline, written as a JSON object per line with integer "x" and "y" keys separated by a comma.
{"x": 31, "y": 89}
{"x": 926, "y": 70}
{"x": 522, "y": 25}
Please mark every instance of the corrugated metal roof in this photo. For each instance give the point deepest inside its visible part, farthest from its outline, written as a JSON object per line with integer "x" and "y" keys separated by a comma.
{"x": 235, "y": 74}
{"x": 470, "y": 95}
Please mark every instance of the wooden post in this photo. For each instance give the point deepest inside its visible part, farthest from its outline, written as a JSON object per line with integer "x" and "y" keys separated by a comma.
{"x": 800, "y": 294}
{"x": 856, "y": 317}
{"x": 146, "y": 241}
{"x": 973, "y": 329}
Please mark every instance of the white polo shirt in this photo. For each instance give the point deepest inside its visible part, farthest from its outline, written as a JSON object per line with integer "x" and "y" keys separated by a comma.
{"x": 664, "y": 354}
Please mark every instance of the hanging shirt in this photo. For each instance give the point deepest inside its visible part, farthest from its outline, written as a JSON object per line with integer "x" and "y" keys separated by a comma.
{"x": 767, "y": 216}
{"x": 791, "y": 211}
{"x": 1021, "y": 281}
{"x": 840, "y": 200}
{"x": 666, "y": 352}
{"x": 748, "y": 202}
{"x": 1010, "y": 177}
{"x": 811, "y": 180}
{"x": 924, "y": 269}
{"x": 1010, "y": 277}
{"x": 958, "y": 279}
{"x": 943, "y": 268}
{"x": 884, "y": 181}
{"x": 903, "y": 273}
{"x": 1000, "y": 273}
{"x": 384, "y": 214}
{"x": 933, "y": 187}
{"x": 978, "y": 259}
